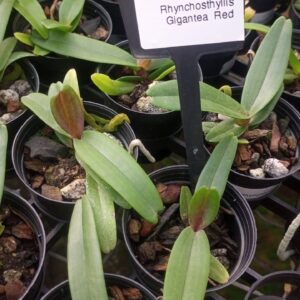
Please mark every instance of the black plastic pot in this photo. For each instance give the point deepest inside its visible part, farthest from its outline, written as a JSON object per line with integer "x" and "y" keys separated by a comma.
{"x": 60, "y": 210}
{"x": 262, "y": 5}
{"x": 14, "y": 125}
{"x": 243, "y": 228}
{"x": 277, "y": 278}
{"x": 62, "y": 291}
{"x": 255, "y": 189}
{"x": 152, "y": 128}
{"x": 114, "y": 11}
{"x": 294, "y": 15}
{"x": 52, "y": 68}
{"x": 29, "y": 215}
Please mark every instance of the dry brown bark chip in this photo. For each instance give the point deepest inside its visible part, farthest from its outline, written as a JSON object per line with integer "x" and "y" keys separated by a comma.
{"x": 14, "y": 289}
{"x": 132, "y": 294}
{"x": 148, "y": 251}
{"x": 22, "y": 231}
{"x": 51, "y": 192}
{"x": 276, "y": 135}
{"x": 134, "y": 228}
{"x": 37, "y": 181}
{"x": 244, "y": 152}
{"x": 36, "y": 165}
{"x": 147, "y": 228}
{"x": 116, "y": 293}
{"x": 162, "y": 264}
{"x": 255, "y": 134}
{"x": 168, "y": 193}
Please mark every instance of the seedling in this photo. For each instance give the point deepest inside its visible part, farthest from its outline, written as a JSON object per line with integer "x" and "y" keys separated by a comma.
{"x": 112, "y": 176}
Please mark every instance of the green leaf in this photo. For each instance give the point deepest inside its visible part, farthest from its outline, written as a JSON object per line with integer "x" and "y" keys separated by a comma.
{"x": 85, "y": 272}
{"x": 162, "y": 70}
{"x": 112, "y": 87}
{"x": 115, "y": 166}
{"x": 6, "y": 48}
{"x": 54, "y": 89}
{"x": 184, "y": 200}
{"x": 101, "y": 201}
{"x": 69, "y": 10}
{"x": 14, "y": 57}
{"x": 67, "y": 109}
{"x": 53, "y": 24}
{"x": 3, "y": 148}
{"x": 265, "y": 112}
{"x": 267, "y": 70}
{"x": 132, "y": 79}
{"x": 165, "y": 95}
{"x": 223, "y": 129}
{"x": 39, "y": 104}
{"x": 32, "y": 11}
{"x": 207, "y": 126}
{"x": 79, "y": 46}
{"x": 71, "y": 80}
{"x": 204, "y": 207}
{"x": 24, "y": 38}
{"x": 39, "y": 51}
{"x": 217, "y": 168}
{"x": 5, "y": 10}
{"x": 294, "y": 63}
{"x": 217, "y": 271}
{"x": 188, "y": 267}
{"x": 256, "y": 26}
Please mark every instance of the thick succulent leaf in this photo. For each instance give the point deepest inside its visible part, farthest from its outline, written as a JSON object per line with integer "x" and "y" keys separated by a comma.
{"x": 39, "y": 104}
{"x": 39, "y": 51}
{"x": 165, "y": 95}
{"x": 53, "y": 24}
{"x": 256, "y": 26}
{"x": 265, "y": 112}
{"x": 68, "y": 112}
{"x": 267, "y": 70}
{"x": 6, "y": 48}
{"x": 54, "y": 89}
{"x": 223, "y": 129}
{"x": 69, "y": 10}
{"x": 188, "y": 267}
{"x": 204, "y": 207}
{"x": 32, "y": 11}
{"x": 184, "y": 200}
{"x": 85, "y": 272}
{"x": 24, "y": 38}
{"x": 102, "y": 205}
{"x": 207, "y": 126}
{"x": 132, "y": 79}
{"x": 82, "y": 47}
{"x": 112, "y": 87}
{"x": 217, "y": 168}
{"x": 72, "y": 80}
{"x": 5, "y": 10}
{"x": 217, "y": 271}
{"x": 116, "y": 167}
{"x": 3, "y": 148}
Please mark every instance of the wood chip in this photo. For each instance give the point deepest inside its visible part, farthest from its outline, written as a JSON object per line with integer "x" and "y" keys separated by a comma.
{"x": 244, "y": 152}
{"x": 168, "y": 193}
{"x": 276, "y": 135}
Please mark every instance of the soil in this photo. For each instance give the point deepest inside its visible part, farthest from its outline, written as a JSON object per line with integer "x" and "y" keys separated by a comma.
{"x": 19, "y": 254}
{"x": 50, "y": 166}
{"x": 152, "y": 244}
{"x": 120, "y": 293}
{"x": 271, "y": 140}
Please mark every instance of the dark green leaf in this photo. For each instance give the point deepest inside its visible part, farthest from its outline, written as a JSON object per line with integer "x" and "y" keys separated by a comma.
{"x": 184, "y": 200}
{"x": 112, "y": 87}
{"x": 79, "y": 46}
{"x": 267, "y": 70}
{"x": 101, "y": 201}
{"x": 68, "y": 111}
{"x": 188, "y": 267}
{"x": 53, "y": 24}
{"x": 32, "y": 11}
{"x": 3, "y": 148}
{"x": 115, "y": 166}
{"x": 217, "y": 168}
{"x": 294, "y": 62}
{"x": 204, "y": 207}
{"x": 217, "y": 271}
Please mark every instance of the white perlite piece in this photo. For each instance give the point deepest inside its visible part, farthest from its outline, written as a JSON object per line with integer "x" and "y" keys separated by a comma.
{"x": 274, "y": 168}
{"x": 258, "y": 173}
{"x": 74, "y": 190}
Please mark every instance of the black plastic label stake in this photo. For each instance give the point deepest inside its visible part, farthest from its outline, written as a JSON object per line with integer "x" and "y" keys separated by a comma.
{"x": 184, "y": 30}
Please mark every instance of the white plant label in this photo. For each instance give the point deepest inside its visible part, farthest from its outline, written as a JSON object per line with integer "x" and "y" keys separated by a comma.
{"x": 175, "y": 23}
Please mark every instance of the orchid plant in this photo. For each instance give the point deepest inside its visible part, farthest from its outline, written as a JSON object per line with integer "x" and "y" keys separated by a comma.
{"x": 112, "y": 177}
{"x": 262, "y": 89}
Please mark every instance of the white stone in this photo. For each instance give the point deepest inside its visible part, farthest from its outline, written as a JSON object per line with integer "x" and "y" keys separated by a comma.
{"x": 258, "y": 173}
{"x": 74, "y": 190}
{"x": 274, "y": 168}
